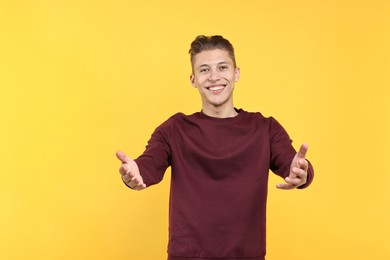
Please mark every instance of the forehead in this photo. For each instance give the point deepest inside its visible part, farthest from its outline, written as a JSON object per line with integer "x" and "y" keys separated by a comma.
{"x": 212, "y": 57}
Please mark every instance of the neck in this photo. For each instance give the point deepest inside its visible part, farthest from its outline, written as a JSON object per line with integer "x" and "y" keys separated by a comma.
{"x": 220, "y": 112}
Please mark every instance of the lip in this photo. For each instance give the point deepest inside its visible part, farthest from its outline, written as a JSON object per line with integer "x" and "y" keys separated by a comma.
{"x": 216, "y": 87}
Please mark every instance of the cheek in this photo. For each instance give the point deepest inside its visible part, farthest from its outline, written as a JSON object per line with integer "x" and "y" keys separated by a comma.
{"x": 200, "y": 80}
{"x": 229, "y": 75}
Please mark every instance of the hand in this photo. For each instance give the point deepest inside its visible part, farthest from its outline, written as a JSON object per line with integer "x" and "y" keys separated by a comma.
{"x": 298, "y": 170}
{"x": 130, "y": 172}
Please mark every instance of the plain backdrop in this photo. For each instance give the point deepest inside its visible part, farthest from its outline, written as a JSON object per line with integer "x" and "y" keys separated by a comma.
{"x": 82, "y": 79}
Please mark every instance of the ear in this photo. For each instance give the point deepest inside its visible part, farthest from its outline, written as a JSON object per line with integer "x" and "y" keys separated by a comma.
{"x": 237, "y": 74}
{"x": 192, "y": 79}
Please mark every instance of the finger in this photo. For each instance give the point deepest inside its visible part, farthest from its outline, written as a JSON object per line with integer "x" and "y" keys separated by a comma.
{"x": 133, "y": 180}
{"x": 303, "y": 164}
{"x": 126, "y": 178}
{"x": 302, "y": 151}
{"x": 127, "y": 175}
{"x": 285, "y": 186}
{"x": 140, "y": 187}
{"x": 136, "y": 184}
{"x": 122, "y": 157}
{"x": 122, "y": 170}
{"x": 293, "y": 181}
{"x": 298, "y": 173}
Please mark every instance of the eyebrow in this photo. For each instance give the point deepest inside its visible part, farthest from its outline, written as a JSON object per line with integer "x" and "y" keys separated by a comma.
{"x": 219, "y": 63}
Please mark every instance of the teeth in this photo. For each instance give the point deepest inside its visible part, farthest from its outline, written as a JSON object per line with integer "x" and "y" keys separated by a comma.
{"x": 216, "y": 88}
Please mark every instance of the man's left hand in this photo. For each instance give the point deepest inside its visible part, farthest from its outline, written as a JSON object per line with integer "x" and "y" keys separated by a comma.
{"x": 298, "y": 170}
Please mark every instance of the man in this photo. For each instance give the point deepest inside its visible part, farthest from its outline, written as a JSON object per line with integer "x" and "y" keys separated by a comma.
{"x": 220, "y": 159}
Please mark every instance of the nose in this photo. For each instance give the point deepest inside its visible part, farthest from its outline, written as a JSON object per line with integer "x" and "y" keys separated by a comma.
{"x": 214, "y": 75}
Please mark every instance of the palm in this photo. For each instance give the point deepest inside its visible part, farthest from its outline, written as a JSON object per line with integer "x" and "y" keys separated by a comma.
{"x": 130, "y": 172}
{"x": 298, "y": 170}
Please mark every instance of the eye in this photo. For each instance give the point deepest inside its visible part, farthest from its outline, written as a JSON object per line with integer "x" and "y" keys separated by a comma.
{"x": 203, "y": 70}
{"x": 223, "y": 67}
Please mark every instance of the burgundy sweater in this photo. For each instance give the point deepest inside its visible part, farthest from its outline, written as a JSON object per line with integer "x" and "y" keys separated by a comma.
{"x": 219, "y": 181}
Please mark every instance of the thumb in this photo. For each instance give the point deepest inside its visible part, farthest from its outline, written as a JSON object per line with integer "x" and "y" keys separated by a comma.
{"x": 302, "y": 151}
{"x": 122, "y": 157}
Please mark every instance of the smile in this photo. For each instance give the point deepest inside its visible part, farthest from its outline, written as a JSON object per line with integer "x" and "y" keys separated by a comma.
{"x": 216, "y": 88}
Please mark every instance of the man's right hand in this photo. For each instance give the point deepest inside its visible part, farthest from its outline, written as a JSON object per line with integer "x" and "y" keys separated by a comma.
{"x": 130, "y": 172}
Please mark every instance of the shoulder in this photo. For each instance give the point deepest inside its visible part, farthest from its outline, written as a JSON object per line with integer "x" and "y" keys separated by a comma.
{"x": 173, "y": 120}
{"x": 262, "y": 121}
{"x": 258, "y": 117}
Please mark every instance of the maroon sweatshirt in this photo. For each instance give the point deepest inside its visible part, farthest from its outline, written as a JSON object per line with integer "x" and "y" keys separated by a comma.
{"x": 219, "y": 181}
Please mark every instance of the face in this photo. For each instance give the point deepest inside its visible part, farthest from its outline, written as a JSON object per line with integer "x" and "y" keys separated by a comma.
{"x": 214, "y": 76}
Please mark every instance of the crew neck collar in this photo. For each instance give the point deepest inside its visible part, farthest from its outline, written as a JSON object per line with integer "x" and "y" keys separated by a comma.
{"x": 236, "y": 117}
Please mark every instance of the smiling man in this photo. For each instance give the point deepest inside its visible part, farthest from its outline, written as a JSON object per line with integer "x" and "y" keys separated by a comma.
{"x": 220, "y": 158}
{"x": 214, "y": 74}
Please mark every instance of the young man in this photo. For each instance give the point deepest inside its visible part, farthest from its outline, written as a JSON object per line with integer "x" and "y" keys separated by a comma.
{"x": 220, "y": 158}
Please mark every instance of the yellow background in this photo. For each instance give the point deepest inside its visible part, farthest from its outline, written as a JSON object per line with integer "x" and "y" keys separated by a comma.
{"x": 82, "y": 79}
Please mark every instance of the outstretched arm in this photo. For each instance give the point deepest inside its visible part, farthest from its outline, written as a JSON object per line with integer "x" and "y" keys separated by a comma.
{"x": 298, "y": 170}
{"x": 130, "y": 172}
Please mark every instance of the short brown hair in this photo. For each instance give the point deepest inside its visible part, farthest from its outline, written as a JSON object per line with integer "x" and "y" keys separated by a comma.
{"x": 206, "y": 43}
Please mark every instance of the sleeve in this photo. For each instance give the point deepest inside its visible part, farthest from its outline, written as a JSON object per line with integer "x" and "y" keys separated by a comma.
{"x": 282, "y": 153}
{"x": 157, "y": 156}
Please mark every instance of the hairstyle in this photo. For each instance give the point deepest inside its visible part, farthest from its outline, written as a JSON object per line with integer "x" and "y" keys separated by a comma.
{"x": 206, "y": 43}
